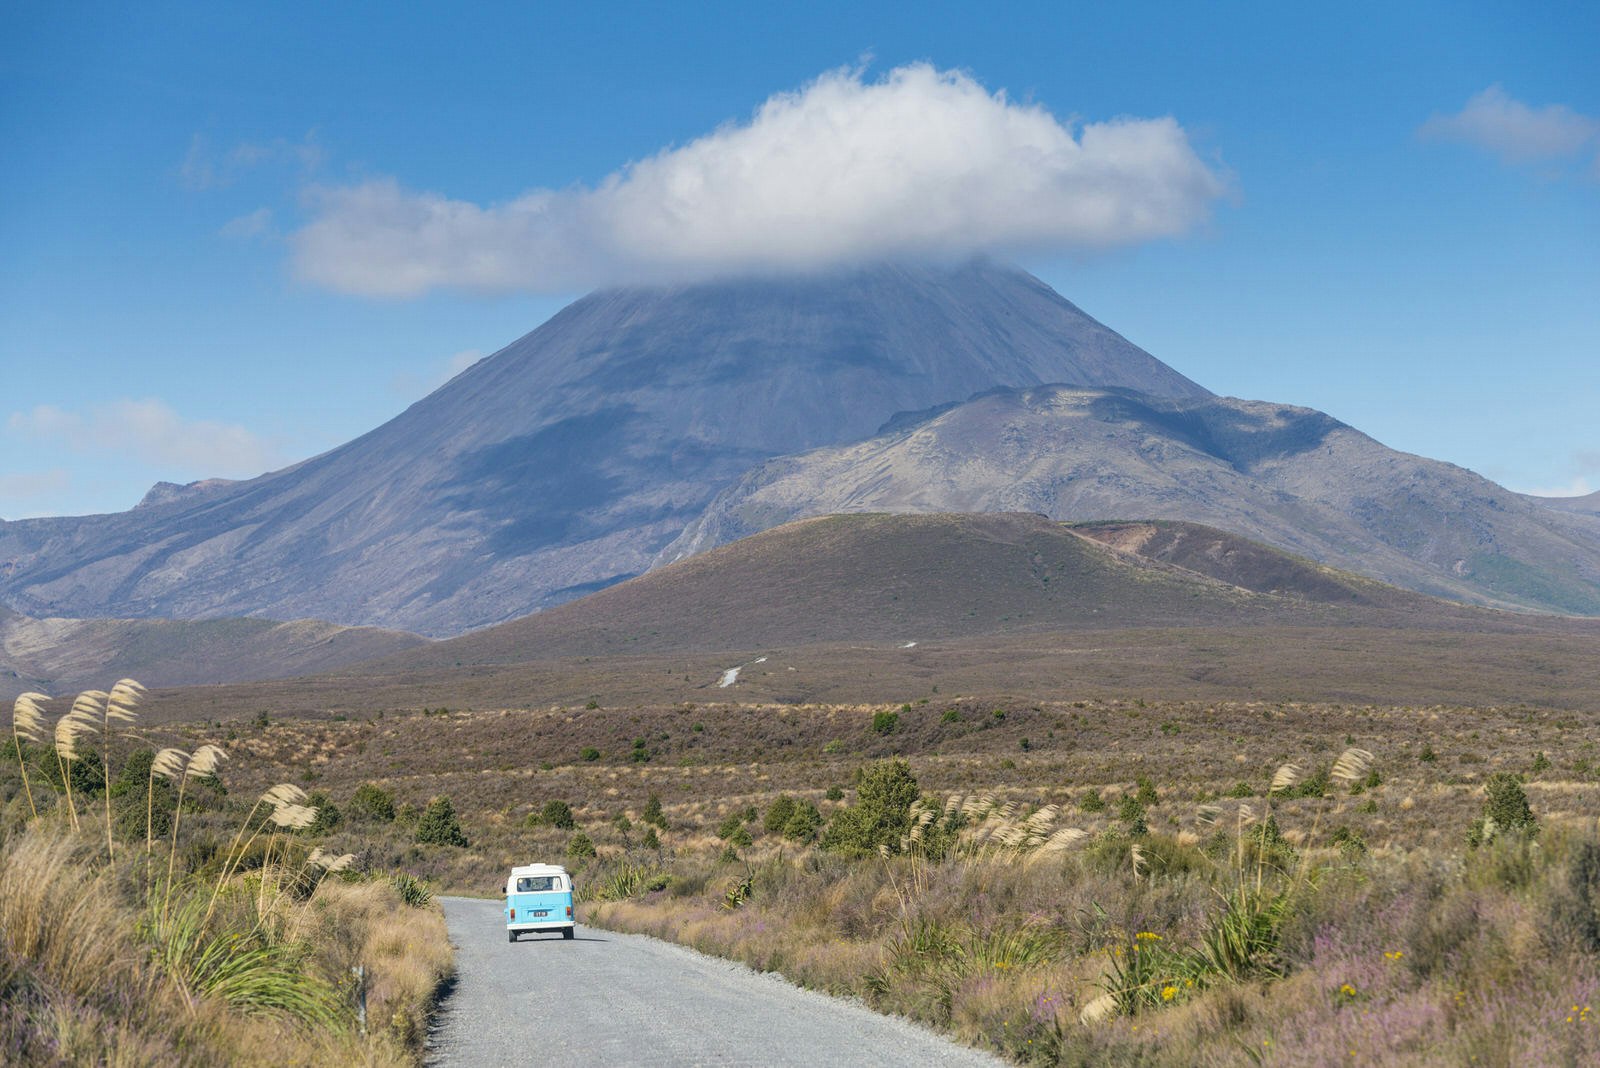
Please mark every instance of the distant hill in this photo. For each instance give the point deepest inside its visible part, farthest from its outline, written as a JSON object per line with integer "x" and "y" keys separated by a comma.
{"x": 889, "y": 578}
{"x": 1290, "y": 477}
{"x": 884, "y": 608}
{"x": 566, "y": 461}
{"x": 1588, "y": 504}
{"x": 63, "y": 656}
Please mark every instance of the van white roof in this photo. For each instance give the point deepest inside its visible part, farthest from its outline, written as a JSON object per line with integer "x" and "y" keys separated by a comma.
{"x": 538, "y": 869}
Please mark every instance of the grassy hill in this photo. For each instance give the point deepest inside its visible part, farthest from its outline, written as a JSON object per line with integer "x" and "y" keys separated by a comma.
{"x": 919, "y": 577}
{"x": 885, "y": 608}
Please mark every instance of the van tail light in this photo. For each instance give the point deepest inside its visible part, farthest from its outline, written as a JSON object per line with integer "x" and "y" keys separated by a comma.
{"x": 513, "y": 914}
{"x": 569, "y": 912}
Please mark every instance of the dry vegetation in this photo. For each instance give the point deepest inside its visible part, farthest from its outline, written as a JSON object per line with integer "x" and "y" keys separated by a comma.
{"x": 167, "y": 920}
{"x": 1379, "y": 936}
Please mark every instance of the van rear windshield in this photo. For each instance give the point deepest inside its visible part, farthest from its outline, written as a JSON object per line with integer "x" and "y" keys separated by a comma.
{"x": 528, "y": 884}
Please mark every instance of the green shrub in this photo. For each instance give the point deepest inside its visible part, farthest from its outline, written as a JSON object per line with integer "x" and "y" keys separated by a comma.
{"x": 885, "y": 722}
{"x": 1092, "y": 802}
{"x": 653, "y": 813}
{"x": 1146, "y": 792}
{"x": 803, "y": 823}
{"x": 1540, "y": 762}
{"x": 778, "y": 814}
{"x": 1505, "y": 811}
{"x": 581, "y": 846}
{"x": 558, "y": 814}
{"x": 328, "y": 814}
{"x": 951, "y": 715}
{"x": 372, "y": 802}
{"x": 1427, "y": 756}
{"x": 439, "y": 825}
{"x": 1240, "y": 789}
{"x": 589, "y": 753}
{"x": 835, "y": 793}
{"x": 1132, "y": 812}
{"x": 881, "y": 815}
{"x": 651, "y": 839}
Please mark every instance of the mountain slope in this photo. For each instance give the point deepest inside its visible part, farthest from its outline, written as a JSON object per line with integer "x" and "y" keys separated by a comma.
{"x": 66, "y": 655}
{"x": 567, "y": 460}
{"x": 890, "y": 578}
{"x": 1290, "y": 477}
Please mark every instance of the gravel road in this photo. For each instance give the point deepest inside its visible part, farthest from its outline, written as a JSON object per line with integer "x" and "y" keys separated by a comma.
{"x": 617, "y": 999}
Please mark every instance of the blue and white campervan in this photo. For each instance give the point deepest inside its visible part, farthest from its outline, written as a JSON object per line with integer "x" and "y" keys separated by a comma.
{"x": 539, "y": 898}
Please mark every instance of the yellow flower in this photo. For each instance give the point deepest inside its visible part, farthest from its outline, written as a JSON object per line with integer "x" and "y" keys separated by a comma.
{"x": 1147, "y": 936}
{"x": 1168, "y": 993}
{"x": 1347, "y": 990}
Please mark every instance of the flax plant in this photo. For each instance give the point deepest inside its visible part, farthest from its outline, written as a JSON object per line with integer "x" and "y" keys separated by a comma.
{"x": 27, "y": 721}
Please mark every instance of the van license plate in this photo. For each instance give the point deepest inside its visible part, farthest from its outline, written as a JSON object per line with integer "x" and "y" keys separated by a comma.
{"x": 542, "y": 912}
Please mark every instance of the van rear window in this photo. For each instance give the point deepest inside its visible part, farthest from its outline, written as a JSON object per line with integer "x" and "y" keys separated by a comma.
{"x": 529, "y": 884}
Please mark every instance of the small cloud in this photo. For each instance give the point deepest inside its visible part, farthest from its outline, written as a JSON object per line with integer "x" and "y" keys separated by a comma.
{"x": 460, "y": 362}
{"x": 411, "y": 385}
{"x": 244, "y": 227}
{"x": 202, "y": 168}
{"x": 1578, "y": 487}
{"x": 1516, "y": 132}
{"x": 151, "y": 431}
{"x": 24, "y": 486}
{"x": 919, "y": 164}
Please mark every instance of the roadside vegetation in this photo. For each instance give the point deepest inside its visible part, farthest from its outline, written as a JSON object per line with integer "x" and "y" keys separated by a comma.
{"x": 1097, "y": 882}
{"x": 151, "y": 914}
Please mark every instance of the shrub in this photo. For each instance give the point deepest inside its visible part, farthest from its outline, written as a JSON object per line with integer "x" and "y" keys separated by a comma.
{"x": 1505, "y": 811}
{"x": 803, "y": 823}
{"x": 372, "y": 802}
{"x": 885, "y": 722}
{"x": 1146, "y": 792}
{"x": 1092, "y": 802}
{"x": 881, "y": 814}
{"x": 835, "y": 793}
{"x": 1240, "y": 789}
{"x": 652, "y": 812}
{"x": 778, "y": 814}
{"x": 951, "y": 715}
{"x": 581, "y": 846}
{"x": 589, "y": 752}
{"x": 1132, "y": 812}
{"x": 328, "y": 814}
{"x": 558, "y": 814}
{"x": 651, "y": 839}
{"x": 1427, "y": 756}
{"x": 1540, "y": 762}
{"x": 439, "y": 825}
{"x": 732, "y": 830}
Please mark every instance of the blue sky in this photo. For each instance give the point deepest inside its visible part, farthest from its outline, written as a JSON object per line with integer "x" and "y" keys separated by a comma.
{"x": 231, "y": 238}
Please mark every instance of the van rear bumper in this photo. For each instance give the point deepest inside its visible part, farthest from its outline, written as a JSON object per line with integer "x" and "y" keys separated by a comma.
{"x": 540, "y": 925}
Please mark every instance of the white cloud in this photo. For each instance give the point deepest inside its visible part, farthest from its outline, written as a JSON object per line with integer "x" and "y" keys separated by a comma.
{"x": 29, "y": 485}
{"x": 407, "y": 384}
{"x": 1517, "y": 133}
{"x": 202, "y": 168}
{"x": 155, "y": 434}
{"x": 253, "y": 224}
{"x": 922, "y": 163}
{"x": 1578, "y": 487}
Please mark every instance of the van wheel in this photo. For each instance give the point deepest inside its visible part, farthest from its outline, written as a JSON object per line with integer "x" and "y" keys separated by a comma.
{"x": 570, "y": 932}
{"x": 512, "y": 935}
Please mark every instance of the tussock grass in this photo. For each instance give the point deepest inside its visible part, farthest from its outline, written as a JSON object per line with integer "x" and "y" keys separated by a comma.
{"x": 189, "y": 952}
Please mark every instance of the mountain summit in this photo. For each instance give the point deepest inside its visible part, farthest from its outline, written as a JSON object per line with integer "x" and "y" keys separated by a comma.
{"x": 569, "y": 459}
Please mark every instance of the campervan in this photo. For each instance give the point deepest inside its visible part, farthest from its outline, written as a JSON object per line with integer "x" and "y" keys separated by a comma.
{"x": 539, "y": 898}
